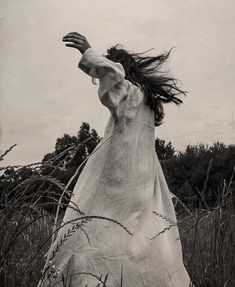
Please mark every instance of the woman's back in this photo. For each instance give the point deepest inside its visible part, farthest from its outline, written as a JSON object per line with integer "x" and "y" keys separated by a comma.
{"x": 121, "y": 188}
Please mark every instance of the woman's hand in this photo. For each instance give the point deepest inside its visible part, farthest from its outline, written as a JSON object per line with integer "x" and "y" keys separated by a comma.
{"x": 77, "y": 41}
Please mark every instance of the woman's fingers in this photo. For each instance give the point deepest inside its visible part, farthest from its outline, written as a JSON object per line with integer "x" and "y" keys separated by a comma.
{"x": 74, "y": 40}
{"x": 77, "y": 41}
{"x": 73, "y": 46}
{"x": 75, "y": 35}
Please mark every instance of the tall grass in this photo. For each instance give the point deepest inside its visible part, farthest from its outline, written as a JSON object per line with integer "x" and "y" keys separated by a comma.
{"x": 208, "y": 241}
{"x": 27, "y": 228}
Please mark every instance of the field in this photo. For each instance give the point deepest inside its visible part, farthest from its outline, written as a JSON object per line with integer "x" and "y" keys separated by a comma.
{"x": 30, "y": 207}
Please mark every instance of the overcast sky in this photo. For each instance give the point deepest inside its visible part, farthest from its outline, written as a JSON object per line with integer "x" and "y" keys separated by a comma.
{"x": 44, "y": 94}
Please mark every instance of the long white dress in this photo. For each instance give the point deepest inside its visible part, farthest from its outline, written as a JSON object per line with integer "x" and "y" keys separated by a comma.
{"x": 123, "y": 181}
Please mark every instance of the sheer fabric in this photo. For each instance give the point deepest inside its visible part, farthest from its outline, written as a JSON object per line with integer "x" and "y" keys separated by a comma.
{"x": 123, "y": 181}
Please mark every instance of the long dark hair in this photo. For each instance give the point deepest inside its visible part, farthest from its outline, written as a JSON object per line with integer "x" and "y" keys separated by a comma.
{"x": 144, "y": 72}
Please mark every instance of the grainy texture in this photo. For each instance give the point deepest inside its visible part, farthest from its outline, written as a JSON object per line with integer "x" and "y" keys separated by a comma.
{"x": 122, "y": 181}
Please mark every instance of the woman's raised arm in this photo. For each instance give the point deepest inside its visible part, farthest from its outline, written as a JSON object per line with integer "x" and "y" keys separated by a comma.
{"x": 111, "y": 75}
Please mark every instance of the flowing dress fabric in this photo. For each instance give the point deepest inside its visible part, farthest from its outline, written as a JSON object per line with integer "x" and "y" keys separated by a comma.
{"x": 123, "y": 181}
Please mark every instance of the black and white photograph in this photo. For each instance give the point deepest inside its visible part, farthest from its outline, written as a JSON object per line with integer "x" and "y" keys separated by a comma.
{"x": 117, "y": 143}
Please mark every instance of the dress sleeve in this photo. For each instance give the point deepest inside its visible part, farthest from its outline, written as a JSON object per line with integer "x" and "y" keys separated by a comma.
{"x": 112, "y": 84}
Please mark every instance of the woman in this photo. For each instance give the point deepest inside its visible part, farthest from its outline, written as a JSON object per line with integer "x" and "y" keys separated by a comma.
{"x": 121, "y": 194}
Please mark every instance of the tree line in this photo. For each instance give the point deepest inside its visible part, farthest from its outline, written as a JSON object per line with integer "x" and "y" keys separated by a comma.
{"x": 199, "y": 172}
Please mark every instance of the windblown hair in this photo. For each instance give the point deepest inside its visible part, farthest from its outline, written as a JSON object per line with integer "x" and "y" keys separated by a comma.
{"x": 144, "y": 72}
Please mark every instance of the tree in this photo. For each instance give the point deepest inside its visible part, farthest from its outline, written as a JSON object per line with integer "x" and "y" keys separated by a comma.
{"x": 64, "y": 142}
{"x": 204, "y": 168}
{"x": 164, "y": 150}
{"x": 70, "y": 152}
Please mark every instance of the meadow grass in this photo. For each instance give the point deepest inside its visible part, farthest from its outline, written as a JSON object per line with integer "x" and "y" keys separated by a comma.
{"x": 208, "y": 247}
{"x": 27, "y": 227}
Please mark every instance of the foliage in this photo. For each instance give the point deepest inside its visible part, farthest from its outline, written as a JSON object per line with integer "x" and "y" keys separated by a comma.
{"x": 62, "y": 163}
{"x": 207, "y": 237}
{"x": 164, "y": 150}
{"x": 186, "y": 171}
{"x": 26, "y": 227}
{"x": 204, "y": 175}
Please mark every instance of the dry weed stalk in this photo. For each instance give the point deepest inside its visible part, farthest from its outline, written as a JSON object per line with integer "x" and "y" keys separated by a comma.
{"x": 207, "y": 234}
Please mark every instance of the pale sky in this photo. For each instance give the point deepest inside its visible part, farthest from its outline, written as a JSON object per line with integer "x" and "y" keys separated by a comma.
{"x": 44, "y": 95}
